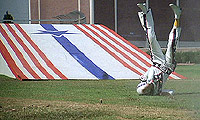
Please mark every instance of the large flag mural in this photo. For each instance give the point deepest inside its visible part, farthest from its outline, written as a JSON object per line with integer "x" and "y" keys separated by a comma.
{"x": 47, "y": 51}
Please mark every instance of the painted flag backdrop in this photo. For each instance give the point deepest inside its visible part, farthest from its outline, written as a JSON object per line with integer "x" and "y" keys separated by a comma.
{"x": 47, "y": 51}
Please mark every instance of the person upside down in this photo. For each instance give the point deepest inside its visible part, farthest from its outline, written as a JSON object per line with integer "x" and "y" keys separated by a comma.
{"x": 163, "y": 65}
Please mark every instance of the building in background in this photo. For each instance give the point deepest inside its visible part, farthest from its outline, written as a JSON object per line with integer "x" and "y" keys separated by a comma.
{"x": 119, "y": 15}
{"x": 19, "y": 9}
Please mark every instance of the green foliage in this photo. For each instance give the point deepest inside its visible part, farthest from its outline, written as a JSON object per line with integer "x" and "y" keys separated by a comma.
{"x": 188, "y": 57}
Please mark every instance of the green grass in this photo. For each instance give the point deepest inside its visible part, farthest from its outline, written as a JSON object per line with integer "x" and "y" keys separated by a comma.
{"x": 81, "y": 99}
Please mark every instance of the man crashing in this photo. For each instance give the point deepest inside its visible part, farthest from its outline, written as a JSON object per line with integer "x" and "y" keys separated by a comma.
{"x": 163, "y": 65}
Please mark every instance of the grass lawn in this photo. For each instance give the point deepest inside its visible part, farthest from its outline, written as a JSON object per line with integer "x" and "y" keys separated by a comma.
{"x": 99, "y": 99}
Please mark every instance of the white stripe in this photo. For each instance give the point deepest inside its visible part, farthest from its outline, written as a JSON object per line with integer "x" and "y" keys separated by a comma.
{"x": 128, "y": 46}
{"x": 25, "y": 55}
{"x": 100, "y": 57}
{"x": 85, "y": 45}
{"x": 37, "y": 56}
{"x": 15, "y": 58}
{"x": 122, "y": 49}
{"x": 4, "y": 69}
{"x": 111, "y": 49}
{"x": 61, "y": 59}
{"x": 174, "y": 76}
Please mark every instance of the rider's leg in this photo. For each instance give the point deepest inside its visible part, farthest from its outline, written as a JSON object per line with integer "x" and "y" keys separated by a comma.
{"x": 173, "y": 38}
{"x": 147, "y": 22}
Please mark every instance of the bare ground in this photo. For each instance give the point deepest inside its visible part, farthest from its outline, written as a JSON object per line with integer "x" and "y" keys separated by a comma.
{"x": 29, "y": 108}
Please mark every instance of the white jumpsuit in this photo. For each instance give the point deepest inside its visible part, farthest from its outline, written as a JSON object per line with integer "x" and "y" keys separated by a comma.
{"x": 163, "y": 65}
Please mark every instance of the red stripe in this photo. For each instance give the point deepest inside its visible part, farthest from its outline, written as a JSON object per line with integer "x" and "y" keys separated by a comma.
{"x": 178, "y": 75}
{"x": 18, "y": 54}
{"x": 30, "y": 54}
{"x": 106, "y": 49}
{"x": 126, "y": 41}
{"x": 124, "y": 47}
{"x": 118, "y": 50}
{"x": 11, "y": 63}
{"x": 42, "y": 55}
{"x": 171, "y": 77}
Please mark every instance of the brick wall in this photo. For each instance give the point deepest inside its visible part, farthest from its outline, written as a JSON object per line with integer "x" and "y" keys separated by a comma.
{"x": 128, "y": 22}
{"x": 52, "y": 8}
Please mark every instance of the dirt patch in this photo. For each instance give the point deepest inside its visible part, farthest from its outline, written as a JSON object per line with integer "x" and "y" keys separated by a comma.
{"x": 155, "y": 113}
{"x": 28, "y": 108}
{"x": 186, "y": 64}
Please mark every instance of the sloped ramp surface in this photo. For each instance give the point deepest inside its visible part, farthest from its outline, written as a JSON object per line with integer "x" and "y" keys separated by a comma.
{"x": 47, "y": 51}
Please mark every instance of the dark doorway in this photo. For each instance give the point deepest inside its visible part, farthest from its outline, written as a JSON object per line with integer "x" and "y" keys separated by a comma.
{"x": 129, "y": 25}
{"x": 104, "y": 13}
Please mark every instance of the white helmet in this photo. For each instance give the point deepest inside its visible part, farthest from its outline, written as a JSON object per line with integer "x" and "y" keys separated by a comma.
{"x": 144, "y": 88}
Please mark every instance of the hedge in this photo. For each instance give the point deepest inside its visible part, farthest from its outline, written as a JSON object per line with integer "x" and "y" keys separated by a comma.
{"x": 187, "y": 57}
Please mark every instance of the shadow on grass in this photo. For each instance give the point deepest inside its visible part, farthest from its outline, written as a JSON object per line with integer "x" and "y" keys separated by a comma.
{"x": 188, "y": 93}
